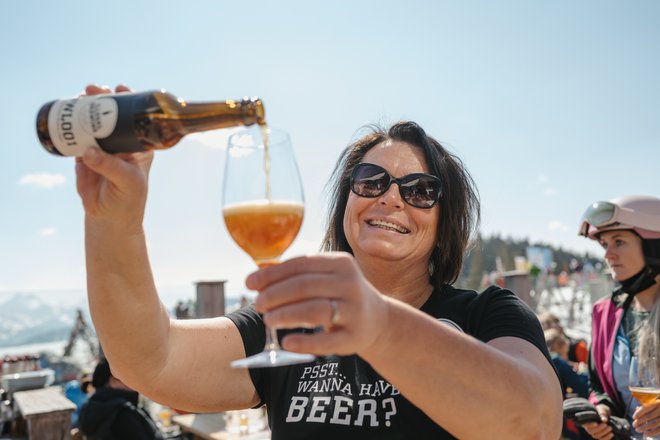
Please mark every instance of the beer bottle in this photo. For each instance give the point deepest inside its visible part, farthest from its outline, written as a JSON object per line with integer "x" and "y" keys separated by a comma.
{"x": 130, "y": 122}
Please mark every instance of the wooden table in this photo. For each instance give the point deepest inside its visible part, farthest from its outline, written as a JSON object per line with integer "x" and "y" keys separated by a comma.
{"x": 212, "y": 427}
{"x": 47, "y": 413}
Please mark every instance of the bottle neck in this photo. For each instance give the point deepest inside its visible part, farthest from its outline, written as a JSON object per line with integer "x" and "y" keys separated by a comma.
{"x": 196, "y": 117}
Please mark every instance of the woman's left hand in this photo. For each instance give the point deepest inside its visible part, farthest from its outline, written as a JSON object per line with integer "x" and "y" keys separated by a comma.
{"x": 646, "y": 419}
{"x": 300, "y": 293}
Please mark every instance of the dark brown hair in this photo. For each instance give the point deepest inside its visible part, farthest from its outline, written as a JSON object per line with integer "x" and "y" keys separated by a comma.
{"x": 459, "y": 204}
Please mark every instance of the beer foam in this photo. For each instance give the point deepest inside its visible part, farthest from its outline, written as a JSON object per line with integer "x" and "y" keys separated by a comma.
{"x": 264, "y": 206}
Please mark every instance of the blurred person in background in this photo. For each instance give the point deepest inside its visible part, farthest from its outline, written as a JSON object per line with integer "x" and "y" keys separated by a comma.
{"x": 574, "y": 383}
{"x": 78, "y": 392}
{"x": 113, "y": 413}
{"x": 628, "y": 229}
{"x": 578, "y": 350}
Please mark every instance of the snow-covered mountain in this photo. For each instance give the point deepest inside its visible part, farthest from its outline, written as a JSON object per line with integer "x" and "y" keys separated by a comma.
{"x": 48, "y": 316}
{"x": 27, "y": 318}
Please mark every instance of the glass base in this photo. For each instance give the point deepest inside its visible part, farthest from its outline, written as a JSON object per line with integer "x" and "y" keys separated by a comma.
{"x": 272, "y": 358}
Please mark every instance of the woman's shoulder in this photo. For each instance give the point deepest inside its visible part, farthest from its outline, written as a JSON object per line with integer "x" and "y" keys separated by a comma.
{"x": 495, "y": 301}
{"x": 454, "y": 292}
{"x": 450, "y": 297}
{"x": 495, "y": 312}
{"x": 466, "y": 307}
{"x": 471, "y": 296}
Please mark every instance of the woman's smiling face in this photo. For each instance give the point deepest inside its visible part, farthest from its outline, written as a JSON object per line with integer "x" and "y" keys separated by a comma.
{"x": 386, "y": 226}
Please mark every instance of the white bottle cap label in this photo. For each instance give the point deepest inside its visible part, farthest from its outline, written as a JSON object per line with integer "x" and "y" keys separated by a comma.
{"x": 75, "y": 124}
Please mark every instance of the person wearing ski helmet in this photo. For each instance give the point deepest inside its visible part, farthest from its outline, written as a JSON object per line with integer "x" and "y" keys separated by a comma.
{"x": 628, "y": 228}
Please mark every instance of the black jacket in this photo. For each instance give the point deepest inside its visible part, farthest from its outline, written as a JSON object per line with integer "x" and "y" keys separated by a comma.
{"x": 113, "y": 414}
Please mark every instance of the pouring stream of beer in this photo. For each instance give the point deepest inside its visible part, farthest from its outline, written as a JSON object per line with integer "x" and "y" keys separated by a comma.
{"x": 265, "y": 136}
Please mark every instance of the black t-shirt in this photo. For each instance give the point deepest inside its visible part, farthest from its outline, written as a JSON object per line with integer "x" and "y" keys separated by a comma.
{"x": 343, "y": 397}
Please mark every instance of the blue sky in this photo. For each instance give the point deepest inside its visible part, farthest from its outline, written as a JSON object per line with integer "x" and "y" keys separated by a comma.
{"x": 551, "y": 105}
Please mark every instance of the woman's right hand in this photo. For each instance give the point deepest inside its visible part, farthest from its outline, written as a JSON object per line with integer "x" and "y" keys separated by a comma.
{"x": 113, "y": 188}
{"x": 600, "y": 431}
{"x": 300, "y": 293}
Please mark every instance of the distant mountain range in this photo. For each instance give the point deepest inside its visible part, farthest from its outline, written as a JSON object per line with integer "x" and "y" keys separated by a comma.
{"x": 41, "y": 317}
{"x": 26, "y": 318}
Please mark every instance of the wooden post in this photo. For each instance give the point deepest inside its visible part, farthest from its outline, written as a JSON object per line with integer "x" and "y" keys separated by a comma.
{"x": 520, "y": 283}
{"x": 210, "y": 299}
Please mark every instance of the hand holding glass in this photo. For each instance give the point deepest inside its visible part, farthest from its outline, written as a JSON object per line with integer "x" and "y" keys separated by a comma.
{"x": 263, "y": 209}
{"x": 643, "y": 384}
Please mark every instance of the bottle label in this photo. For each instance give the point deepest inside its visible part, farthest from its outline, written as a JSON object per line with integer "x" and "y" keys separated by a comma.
{"x": 76, "y": 124}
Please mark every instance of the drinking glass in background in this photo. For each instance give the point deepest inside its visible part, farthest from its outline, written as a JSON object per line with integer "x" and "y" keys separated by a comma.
{"x": 263, "y": 207}
{"x": 643, "y": 384}
{"x": 246, "y": 422}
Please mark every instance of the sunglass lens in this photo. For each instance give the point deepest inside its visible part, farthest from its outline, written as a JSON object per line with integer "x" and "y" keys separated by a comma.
{"x": 421, "y": 192}
{"x": 369, "y": 180}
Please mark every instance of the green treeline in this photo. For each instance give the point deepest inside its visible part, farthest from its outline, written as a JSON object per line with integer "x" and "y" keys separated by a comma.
{"x": 482, "y": 258}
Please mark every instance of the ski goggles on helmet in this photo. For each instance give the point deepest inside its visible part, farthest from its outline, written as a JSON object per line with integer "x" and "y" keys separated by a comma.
{"x": 601, "y": 216}
{"x": 418, "y": 189}
{"x": 637, "y": 213}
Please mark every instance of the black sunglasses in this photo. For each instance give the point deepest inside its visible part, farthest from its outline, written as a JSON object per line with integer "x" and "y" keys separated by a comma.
{"x": 419, "y": 190}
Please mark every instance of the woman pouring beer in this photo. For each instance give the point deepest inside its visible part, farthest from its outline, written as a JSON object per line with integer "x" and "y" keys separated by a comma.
{"x": 400, "y": 353}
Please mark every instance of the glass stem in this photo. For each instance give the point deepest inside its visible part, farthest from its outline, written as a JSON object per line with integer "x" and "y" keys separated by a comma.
{"x": 271, "y": 339}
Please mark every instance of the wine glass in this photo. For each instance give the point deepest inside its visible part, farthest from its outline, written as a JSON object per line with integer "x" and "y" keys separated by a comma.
{"x": 643, "y": 384}
{"x": 263, "y": 208}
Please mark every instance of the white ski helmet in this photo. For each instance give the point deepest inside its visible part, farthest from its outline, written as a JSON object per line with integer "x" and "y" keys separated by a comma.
{"x": 638, "y": 213}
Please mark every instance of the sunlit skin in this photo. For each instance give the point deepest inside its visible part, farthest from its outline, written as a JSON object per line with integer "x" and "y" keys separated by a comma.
{"x": 411, "y": 248}
{"x": 623, "y": 253}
